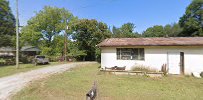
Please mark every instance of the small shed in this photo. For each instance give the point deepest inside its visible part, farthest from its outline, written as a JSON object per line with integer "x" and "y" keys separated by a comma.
{"x": 30, "y": 50}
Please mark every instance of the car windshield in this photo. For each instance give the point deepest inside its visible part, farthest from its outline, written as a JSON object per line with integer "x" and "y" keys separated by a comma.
{"x": 40, "y": 57}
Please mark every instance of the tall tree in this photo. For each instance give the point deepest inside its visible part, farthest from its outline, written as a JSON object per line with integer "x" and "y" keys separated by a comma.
{"x": 155, "y": 31}
{"x": 42, "y": 28}
{"x": 7, "y": 24}
{"x": 87, "y": 34}
{"x": 125, "y": 31}
{"x": 127, "y": 28}
{"x": 169, "y": 30}
{"x": 192, "y": 20}
{"x": 172, "y": 30}
{"x": 73, "y": 50}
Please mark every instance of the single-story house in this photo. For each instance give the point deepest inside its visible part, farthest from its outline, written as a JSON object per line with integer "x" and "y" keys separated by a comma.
{"x": 7, "y": 52}
{"x": 30, "y": 50}
{"x": 26, "y": 50}
{"x": 181, "y": 55}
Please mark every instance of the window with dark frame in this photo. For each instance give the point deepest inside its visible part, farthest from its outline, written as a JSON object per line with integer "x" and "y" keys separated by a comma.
{"x": 130, "y": 53}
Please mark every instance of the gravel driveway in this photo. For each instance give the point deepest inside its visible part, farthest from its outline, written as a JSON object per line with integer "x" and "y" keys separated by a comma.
{"x": 12, "y": 84}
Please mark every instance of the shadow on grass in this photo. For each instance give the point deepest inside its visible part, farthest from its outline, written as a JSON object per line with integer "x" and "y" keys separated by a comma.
{"x": 6, "y": 65}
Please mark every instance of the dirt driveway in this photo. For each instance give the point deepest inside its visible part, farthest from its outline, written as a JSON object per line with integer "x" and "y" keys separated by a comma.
{"x": 12, "y": 84}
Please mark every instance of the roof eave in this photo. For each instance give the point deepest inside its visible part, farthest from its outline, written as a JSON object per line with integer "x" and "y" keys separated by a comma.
{"x": 142, "y": 45}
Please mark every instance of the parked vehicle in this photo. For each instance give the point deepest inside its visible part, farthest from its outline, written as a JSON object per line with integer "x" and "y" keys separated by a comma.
{"x": 39, "y": 59}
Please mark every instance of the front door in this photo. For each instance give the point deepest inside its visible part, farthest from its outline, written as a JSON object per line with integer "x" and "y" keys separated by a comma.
{"x": 174, "y": 63}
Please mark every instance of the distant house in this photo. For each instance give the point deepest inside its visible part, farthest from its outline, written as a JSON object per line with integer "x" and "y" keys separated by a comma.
{"x": 26, "y": 50}
{"x": 181, "y": 55}
{"x": 7, "y": 52}
{"x": 30, "y": 50}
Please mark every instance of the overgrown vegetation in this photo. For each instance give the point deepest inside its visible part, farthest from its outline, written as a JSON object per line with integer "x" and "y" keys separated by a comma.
{"x": 143, "y": 68}
{"x": 74, "y": 84}
{"x": 87, "y": 34}
{"x": 201, "y": 74}
{"x": 7, "y": 61}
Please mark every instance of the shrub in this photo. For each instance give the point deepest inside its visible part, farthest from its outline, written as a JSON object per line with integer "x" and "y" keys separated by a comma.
{"x": 54, "y": 58}
{"x": 10, "y": 61}
{"x": 26, "y": 59}
{"x": 7, "y": 61}
{"x": 201, "y": 74}
{"x": 2, "y": 61}
{"x": 98, "y": 55}
{"x": 143, "y": 68}
{"x": 164, "y": 69}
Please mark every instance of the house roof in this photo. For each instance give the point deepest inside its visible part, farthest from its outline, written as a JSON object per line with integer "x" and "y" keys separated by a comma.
{"x": 7, "y": 49}
{"x": 30, "y": 48}
{"x": 25, "y": 48}
{"x": 158, "y": 41}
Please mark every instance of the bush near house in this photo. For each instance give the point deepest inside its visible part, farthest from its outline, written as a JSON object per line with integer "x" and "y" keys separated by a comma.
{"x": 201, "y": 74}
{"x": 143, "y": 68}
{"x": 7, "y": 61}
{"x": 26, "y": 59}
{"x": 2, "y": 61}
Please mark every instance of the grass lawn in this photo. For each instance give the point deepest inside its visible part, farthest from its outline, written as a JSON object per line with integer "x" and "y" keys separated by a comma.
{"x": 9, "y": 70}
{"x": 74, "y": 84}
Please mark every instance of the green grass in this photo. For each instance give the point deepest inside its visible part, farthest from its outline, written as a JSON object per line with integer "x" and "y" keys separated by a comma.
{"x": 9, "y": 70}
{"x": 74, "y": 84}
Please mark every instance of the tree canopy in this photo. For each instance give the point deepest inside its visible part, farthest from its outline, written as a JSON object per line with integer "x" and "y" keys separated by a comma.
{"x": 43, "y": 29}
{"x": 87, "y": 34}
{"x": 163, "y": 31}
{"x": 192, "y": 20}
{"x": 7, "y": 24}
{"x": 155, "y": 31}
{"x": 125, "y": 31}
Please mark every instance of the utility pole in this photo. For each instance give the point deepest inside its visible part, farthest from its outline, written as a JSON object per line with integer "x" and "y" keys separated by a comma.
{"x": 65, "y": 38}
{"x": 17, "y": 33}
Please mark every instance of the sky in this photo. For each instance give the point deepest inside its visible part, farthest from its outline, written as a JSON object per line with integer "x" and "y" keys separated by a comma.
{"x": 143, "y": 13}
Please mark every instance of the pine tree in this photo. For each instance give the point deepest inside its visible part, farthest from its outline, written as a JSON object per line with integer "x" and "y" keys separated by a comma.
{"x": 7, "y": 24}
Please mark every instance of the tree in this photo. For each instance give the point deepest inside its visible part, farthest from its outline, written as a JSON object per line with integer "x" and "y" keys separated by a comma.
{"x": 192, "y": 20}
{"x": 58, "y": 45}
{"x": 87, "y": 34}
{"x": 29, "y": 36}
{"x": 116, "y": 32}
{"x": 73, "y": 50}
{"x": 127, "y": 28}
{"x": 7, "y": 24}
{"x": 168, "y": 30}
{"x": 155, "y": 31}
{"x": 42, "y": 28}
{"x": 172, "y": 30}
{"x": 125, "y": 31}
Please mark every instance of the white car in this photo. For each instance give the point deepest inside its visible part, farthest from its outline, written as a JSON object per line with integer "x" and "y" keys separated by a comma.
{"x": 39, "y": 59}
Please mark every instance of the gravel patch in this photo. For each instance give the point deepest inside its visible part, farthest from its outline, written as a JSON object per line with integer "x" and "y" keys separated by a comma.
{"x": 10, "y": 85}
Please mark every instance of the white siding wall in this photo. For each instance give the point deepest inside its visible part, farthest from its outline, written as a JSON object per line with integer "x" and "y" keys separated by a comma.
{"x": 155, "y": 57}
